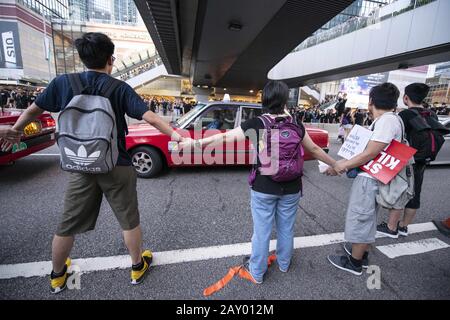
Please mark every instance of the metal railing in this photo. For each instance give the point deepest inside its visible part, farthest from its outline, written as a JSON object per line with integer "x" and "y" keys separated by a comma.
{"x": 135, "y": 65}
{"x": 357, "y": 23}
{"x": 98, "y": 21}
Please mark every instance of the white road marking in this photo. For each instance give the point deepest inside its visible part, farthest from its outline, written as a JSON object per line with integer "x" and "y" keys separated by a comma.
{"x": 44, "y": 155}
{"x": 43, "y": 268}
{"x": 411, "y": 248}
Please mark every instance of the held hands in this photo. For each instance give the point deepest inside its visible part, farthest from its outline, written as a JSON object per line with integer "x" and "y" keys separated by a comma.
{"x": 186, "y": 143}
{"x": 8, "y": 137}
{"x": 338, "y": 168}
{"x": 183, "y": 142}
{"x": 331, "y": 172}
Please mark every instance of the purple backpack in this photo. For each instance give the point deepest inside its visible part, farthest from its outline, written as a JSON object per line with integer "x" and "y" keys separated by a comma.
{"x": 282, "y": 155}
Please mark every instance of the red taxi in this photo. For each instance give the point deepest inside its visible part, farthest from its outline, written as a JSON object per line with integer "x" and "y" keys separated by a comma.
{"x": 152, "y": 151}
{"x": 38, "y": 135}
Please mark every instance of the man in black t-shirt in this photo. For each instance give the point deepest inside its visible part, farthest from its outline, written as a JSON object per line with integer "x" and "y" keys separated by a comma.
{"x": 397, "y": 225}
{"x": 85, "y": 191}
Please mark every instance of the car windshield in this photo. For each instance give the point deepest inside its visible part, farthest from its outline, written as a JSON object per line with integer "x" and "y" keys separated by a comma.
{"x": 185, "y": 117}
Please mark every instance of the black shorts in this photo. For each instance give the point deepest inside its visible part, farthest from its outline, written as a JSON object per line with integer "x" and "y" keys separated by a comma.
{"x": 419, "y": 170}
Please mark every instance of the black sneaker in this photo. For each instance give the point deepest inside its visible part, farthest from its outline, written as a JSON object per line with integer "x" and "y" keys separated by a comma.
{"x": 402, "y": 231}
{"x": 383, "y": 229}
{"x": 344, "y": 263}
{"x": 247, "y": 274}
{"x": 348, "y": 249}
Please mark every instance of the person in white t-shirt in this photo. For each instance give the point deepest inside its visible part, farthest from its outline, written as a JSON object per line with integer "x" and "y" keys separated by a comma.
{"x": 361, "y": 219}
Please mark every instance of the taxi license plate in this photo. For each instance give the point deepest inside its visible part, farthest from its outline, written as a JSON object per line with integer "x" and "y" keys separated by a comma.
{"x": 32, "y": 128}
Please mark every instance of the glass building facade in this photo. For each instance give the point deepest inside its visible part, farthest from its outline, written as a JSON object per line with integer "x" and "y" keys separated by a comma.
{"x": 66, "y": 55}
{"x": 49, "y": 8}
{"x": 125, "y": 10}
{"x": 104, "y": 11}
{"x": 359, "y": 8}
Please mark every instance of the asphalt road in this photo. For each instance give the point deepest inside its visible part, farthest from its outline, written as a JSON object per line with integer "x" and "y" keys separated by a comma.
{"x": 203, "y": 207}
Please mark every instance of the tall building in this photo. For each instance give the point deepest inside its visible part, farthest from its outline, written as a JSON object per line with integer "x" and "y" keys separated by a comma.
{"x": 125, "y": 10}
{"x": 359, "y": 8}
{"x": 106, "y": 11}
{"x": 49, "y": 8}
{"x": 27, "y": 40}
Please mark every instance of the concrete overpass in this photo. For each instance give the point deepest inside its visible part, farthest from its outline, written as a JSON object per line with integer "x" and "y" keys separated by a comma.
{"x": 401, "y": 39}
{"x": 233, "y": 43}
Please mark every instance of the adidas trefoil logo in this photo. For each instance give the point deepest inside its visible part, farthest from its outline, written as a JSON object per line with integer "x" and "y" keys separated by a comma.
{"x": 81, "y": 158}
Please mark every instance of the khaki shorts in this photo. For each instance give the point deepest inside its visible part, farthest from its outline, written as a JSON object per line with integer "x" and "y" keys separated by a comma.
{"x": 361, "y": 218}
{"x": 84, "y": 196}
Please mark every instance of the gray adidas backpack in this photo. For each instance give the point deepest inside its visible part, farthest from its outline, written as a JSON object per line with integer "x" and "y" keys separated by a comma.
{"x": 87, "y": 131}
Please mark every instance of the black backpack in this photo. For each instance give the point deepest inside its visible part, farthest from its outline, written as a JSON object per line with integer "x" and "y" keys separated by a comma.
{"x": 426, "y": 135}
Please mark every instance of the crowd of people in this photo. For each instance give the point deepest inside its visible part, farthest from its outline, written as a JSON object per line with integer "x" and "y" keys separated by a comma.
{"x": 18, "y": 97}
{"x": 140, "y": 69}
{"x": 440, "y": 110}
{"x": 166, "y": 106}
{"x": 325, "y": 112}
{"x": 275, "y": 191}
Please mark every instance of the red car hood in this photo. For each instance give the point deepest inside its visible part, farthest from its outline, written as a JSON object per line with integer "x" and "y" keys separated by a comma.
{"x": 142, "y": 129}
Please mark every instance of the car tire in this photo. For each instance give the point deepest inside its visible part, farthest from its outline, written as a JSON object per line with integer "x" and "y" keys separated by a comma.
{"x": 147, "y": 162}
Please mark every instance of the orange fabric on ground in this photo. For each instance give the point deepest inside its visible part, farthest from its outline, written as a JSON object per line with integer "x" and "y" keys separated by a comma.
{"x": 239, "y": 270}
{"x": 447, "y": 223}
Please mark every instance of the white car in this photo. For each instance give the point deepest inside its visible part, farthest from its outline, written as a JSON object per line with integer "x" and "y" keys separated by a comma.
{"x": 444, "y": 154}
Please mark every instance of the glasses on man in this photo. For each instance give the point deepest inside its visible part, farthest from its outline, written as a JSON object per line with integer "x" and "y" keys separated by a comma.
{"x": 113, "y": 58}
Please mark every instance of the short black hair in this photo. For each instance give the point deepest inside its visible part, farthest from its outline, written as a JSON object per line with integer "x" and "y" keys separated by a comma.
{"x": 384, "y": 96}
{"x": 94, "y": 49}
{"x": 417, "y": 92}
{"x": 275, "y": 96}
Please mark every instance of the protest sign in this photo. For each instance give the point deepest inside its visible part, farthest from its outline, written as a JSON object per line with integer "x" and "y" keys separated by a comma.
{"x": 389, "y": 162}
{"x": 355, "y": 143}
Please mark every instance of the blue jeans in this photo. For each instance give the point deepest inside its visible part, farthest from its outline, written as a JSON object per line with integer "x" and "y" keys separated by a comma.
{"x": 265, "y": 209}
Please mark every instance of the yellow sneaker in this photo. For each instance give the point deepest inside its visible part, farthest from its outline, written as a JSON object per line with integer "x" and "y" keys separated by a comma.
{"x": 58, "y": 284}
{"x": 137, "y": 276}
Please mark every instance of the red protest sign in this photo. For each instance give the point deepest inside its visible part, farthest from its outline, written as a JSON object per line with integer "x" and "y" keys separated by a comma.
{"x": 389, "y": 162}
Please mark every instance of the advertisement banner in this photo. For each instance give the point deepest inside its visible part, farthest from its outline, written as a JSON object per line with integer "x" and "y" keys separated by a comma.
{"x": 389, "y": 162}
{"x": 362, "y": 85}
{"x": 10, "y": 54}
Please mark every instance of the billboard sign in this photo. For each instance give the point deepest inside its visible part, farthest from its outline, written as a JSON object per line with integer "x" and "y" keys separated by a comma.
{"x": 10, "y": 54}
{"x": 362, "y": 85}
{"x": 358, "y": 88}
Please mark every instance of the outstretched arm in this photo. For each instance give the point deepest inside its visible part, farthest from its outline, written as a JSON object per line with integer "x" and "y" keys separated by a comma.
{"x": 156, "y": 121}
{"x": 317, "y": 151}
{"x": 372, "y": 150}
{"x": 25, "y": 118}
{"x": 235, "y": 134}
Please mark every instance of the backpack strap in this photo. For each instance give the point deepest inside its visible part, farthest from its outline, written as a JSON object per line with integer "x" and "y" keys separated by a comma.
{"x": 266, "y": 120}
{"x": 403, "y": 129}
{"x": 110, "y": 86}
{"x": 75, "y": 83}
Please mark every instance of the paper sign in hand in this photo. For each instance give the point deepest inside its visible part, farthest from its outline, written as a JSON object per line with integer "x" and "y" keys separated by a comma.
{"x": 389, "y": 162}
{"x": 322, "y": 166}
{"x": 355, "y": 143}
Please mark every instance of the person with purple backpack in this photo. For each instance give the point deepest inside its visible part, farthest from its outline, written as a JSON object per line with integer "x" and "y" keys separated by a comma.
{"x": 275, "y": 179}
